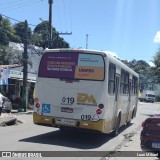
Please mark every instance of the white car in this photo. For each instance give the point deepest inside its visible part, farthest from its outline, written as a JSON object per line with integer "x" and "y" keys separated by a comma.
{"x": 147, "y": 96}
{"x": 7, "y": 106}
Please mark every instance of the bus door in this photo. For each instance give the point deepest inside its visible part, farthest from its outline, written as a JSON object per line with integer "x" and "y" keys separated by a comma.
{"x": 116, "y": 96}
{"x": 129, "y": 100}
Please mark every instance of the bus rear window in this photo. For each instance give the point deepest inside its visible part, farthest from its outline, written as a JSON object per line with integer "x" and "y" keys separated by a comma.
{"x": 71, "y": 65}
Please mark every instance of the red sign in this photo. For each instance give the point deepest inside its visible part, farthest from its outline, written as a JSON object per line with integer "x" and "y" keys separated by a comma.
{"x": 67, "y": 110}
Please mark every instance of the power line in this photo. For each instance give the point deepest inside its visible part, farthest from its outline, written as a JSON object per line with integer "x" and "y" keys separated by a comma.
{"x": 58, "y": 8}
{"x": 71, "y": 14}
{"x": 10, "y": 18}
{"x": 13, "y": 2}
{"x": 15, "y": 19}
{"x": 9, "y": 2}
{"x": 20, "y": 5}
{"x": 64, "y": 7}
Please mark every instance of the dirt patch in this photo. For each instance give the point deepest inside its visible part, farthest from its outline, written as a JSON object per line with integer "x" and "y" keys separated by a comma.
{"x": 13, "y": 122}
{"x": 128, "y": 138}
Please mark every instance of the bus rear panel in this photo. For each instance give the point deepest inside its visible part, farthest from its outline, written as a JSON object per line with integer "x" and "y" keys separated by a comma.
{"x": 70, "y": 89}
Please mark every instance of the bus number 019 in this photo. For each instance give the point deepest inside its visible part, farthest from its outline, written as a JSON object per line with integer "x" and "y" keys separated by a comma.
{"x": 68, "y": 100}
{"x": 86, "y": 117}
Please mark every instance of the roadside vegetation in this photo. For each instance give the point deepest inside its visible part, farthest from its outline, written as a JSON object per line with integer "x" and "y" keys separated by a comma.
{"x": 15, "y": 33}
{"x": 149, "y": 75}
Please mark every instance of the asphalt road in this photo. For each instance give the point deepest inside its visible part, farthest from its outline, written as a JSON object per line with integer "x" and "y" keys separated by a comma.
{"x": 30, "y": 137}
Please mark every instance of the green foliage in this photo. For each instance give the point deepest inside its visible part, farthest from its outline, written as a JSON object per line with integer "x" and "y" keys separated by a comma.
{"x": 146, "y": 73}
{"x": 138, "y": 66}
{"x": 41, "y": 37}
{"x": 4, "y": 40}
{"x": 7, "y": 56}
{"x": 156, "y": 61}
{"x": 20, "y": 31}
{"x": 7, "y": 32}
{"x": 16, "y": 33}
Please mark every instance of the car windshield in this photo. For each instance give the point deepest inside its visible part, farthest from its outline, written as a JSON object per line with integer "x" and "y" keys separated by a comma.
{"x": 150, "y": 95}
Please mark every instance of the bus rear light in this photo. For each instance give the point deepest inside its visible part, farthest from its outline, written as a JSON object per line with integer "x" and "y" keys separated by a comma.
{"x": 98, "y": 111}
{"x": 37, "y": 105}
{"x": 101, "y": 106}
{"x": 36, "y": 100}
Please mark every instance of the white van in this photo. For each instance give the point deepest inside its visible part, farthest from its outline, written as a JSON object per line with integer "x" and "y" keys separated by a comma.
{"x": 148, "y": 96}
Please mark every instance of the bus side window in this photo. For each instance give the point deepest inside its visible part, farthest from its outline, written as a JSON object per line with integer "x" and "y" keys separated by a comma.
{"x": 134, "y": 85}
{"x": 124, "y": 88}
{"x": 122, "y": 82}
{"x": 112, "y": 78}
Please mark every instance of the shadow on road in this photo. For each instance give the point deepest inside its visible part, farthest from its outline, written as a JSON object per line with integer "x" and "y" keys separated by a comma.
{"x": 72, "y": 139}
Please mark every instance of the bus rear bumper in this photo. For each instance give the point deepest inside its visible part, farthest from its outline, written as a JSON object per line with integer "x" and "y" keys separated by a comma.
{"x": 79, "y": 124}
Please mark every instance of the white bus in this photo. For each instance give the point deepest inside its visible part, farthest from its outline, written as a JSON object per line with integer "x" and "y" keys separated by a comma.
{"x": 84, "y": 89}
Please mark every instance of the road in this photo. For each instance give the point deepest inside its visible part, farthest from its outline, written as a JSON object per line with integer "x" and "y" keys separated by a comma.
{"x": 30, "y": 137}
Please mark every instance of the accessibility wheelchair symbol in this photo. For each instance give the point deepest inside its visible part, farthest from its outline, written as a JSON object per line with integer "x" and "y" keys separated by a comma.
{"x": 46, "y": 108}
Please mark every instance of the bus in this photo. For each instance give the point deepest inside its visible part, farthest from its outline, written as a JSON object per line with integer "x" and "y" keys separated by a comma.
{"x": 85, "y": 90}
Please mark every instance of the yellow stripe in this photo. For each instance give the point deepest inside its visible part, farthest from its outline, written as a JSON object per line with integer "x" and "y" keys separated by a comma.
{"x": 48, "y": 120}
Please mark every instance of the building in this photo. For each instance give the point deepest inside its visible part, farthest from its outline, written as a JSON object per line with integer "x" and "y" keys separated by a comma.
{"x": 14, "y": 86}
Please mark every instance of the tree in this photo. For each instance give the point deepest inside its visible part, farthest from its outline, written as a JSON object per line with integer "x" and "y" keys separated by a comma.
{"x": 41, "y": 37}
{"x": 10, "y": 56}
{"x": 137, "y": 66}
{"x": 7, "y": 32}
{"x": 143, "y": 69}
{"x": 20, "y": 30}
{"x": 4, "y": 40}
{"x": 156, "y": 61}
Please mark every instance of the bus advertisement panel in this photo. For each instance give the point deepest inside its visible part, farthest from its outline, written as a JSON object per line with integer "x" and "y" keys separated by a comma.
{"x": 72, "y": 66}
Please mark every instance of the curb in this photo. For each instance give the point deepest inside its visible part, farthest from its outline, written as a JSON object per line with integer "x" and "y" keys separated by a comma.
{"x": 7, "y": 120}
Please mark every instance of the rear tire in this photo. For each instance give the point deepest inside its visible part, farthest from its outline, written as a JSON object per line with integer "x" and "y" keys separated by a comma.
{"x": 128, "y": 123}
{"x": 116, "y": 130}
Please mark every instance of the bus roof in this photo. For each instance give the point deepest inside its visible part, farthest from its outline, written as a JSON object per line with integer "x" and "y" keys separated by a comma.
{"x": 103, "y": 53}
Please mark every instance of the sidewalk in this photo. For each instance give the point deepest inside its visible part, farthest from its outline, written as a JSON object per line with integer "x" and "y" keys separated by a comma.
{"x": 7, "y": 119}
{"x": 10, "y": 118}
{"x": 131, "y": 149}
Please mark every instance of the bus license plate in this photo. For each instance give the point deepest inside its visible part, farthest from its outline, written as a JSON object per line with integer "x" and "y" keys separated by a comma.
{"x": 65, "y": 121}
{"x": 156, "y": 145}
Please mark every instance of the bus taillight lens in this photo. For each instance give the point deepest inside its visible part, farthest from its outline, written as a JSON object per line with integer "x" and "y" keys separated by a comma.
{"x": 101, "y": 106}
{"x": 37, "y": 105}
{"x": 36, "y": 100}
{"x": 98, "y": 111}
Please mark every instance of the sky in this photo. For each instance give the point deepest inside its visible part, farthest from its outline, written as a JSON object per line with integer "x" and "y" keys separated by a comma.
{"x": 128, "y": 28}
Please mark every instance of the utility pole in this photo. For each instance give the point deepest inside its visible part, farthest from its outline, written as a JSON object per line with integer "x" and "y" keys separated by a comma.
{"x": 50, "y": 26}
{"x": 61, "y": 33}
{"x": 50, "y": 23}
{"x": 86, "y": 41}
{"x": 25, "y": 70}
